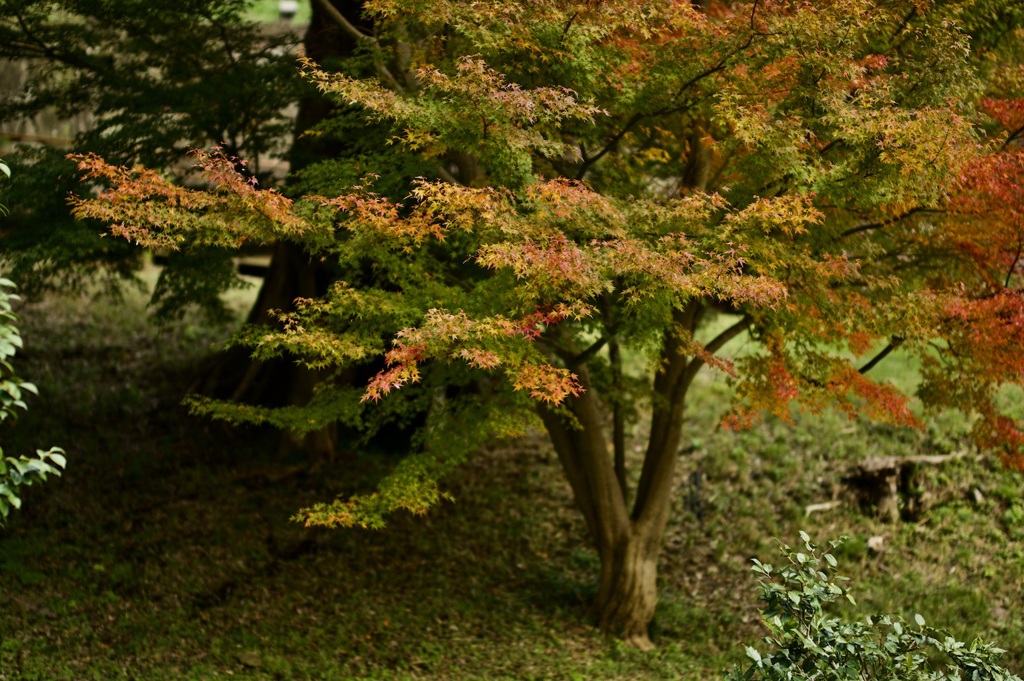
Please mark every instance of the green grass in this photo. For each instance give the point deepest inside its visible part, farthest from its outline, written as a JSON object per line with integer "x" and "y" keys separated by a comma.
{"x": 166, "y": 551}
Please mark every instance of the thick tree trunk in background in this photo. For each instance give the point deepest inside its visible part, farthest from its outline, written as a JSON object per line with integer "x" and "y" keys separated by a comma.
{"x": 293, "y": 274}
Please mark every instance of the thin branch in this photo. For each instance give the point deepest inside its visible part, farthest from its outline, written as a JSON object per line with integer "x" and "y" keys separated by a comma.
{"x": 893, "y": 344}
{"x": 674, "y": 108}
{"x": 344, "y": 23}
{"x": 75, "y": 61}
{"x": 719, "y": 341}
{"x": 885, "y": 223}
{"x": 1013, "y": 266}
{"x": 716, "y": 344}
{"x": 1012, "y": 138}
{"x": 568, "y": 25}
{"x": 443, "y": 173}
{"x": 612, "y": 143}
{"x": 828, "y": 147}
{"x": 589, "y": 352}
{"x": 225, "y": 40}
{"x": 382, "y": 70}
{"x": 901, "y": 27}
{"x": 721, "y": 168}
{"x": 664, "y": 111}
{"x": 704, "y": 74}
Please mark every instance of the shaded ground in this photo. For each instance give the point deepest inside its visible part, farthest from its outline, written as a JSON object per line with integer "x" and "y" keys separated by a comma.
{"x": 166, "y": 551}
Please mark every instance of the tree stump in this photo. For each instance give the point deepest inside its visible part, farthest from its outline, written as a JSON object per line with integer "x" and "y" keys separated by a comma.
{"x": 880, "y": 482}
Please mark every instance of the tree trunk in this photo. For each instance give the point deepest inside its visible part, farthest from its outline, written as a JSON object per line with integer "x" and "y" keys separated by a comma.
{"x": 233, "y": 374}
{"x": 628, "y": 592}
{"x": 628, "y": 547}
{"x": 627, "y": 541}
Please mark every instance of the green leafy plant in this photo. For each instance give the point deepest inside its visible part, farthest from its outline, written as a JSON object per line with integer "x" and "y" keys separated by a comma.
{"x": 809, "y": 643}
{"x": 6, "y": 170}
{"x": 23, "y": 470}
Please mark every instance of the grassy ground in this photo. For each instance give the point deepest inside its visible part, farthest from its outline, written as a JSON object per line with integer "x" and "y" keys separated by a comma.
{"x": 166, "y": 551}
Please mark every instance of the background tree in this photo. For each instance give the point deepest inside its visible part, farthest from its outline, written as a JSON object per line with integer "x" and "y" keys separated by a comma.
{"x": 154, "y": 79}
{"x": 832, "y": 178}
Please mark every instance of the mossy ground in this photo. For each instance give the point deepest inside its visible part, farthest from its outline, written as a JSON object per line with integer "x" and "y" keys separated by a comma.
{"x": 166, "y": 551}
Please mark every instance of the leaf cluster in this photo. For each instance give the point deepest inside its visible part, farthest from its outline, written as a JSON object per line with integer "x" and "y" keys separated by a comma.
{"x": 806, "y": 641}
{"x": 24, "y": 470}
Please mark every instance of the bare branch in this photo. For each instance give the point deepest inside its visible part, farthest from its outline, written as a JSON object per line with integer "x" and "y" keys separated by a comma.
{"x": 893, "y": 344}
{"x": 568, "y": 25}
{"x": 719, "y": 341}
{"x": 885, "y": 223}
{"x": 716, "y": 344}
{"x": 676, "y": 108}
{"x": 589, "y": 352}
{"x": 1012, "y": 138}
{"x": 443, "y": 173}
{"x": 347, "y": 26}
{"x": 1013, "y": 265}
{"x": 611, "y": 144}
{"x": 382, "y": 70}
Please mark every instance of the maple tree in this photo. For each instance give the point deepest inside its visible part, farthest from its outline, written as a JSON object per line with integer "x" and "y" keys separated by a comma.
{"x": 840, "y": 179}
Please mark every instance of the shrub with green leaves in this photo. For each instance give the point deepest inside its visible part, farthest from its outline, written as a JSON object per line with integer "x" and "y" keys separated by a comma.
{"x": 23, "y": 470}
{"x": 7, "y": 173}
{"x": 806, "y": 642}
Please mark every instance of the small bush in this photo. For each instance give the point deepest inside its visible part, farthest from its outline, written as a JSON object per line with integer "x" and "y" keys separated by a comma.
{"x": 807, "y": 643}
{"x": 24, "y": 470}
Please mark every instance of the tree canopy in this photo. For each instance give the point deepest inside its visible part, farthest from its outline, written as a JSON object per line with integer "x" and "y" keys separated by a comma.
{"x": 840, "y": 180}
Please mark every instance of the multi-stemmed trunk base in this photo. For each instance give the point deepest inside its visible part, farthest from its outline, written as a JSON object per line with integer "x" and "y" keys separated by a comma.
{"x": 628, "y": 593}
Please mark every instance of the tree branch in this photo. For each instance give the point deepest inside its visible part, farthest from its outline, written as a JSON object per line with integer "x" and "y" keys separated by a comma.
{"x": 378, "y": 63}
{"x": 589, "y": 352}
{"x": 873, "y": 362}
{"x": 76, "y": 61}
{"x": 584, "y": 456}
{"x": 669, "y": 109}
{"x": 1012, "y": 138}
{"x": 568, "y": 25}
{"x": 653, "y": 492}
{"x": 716, "y": 344}
{"x": 616, "y": 397}
{"x": 618, "y": 418}
{"x": 343, "y": 22}
{"x": 1013, "y": 265}
{"x": 719, "y": 341}
{"x": 885, "y": 223}
{"x": 443, "y": 173}
{"x": 585, "y": 166}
